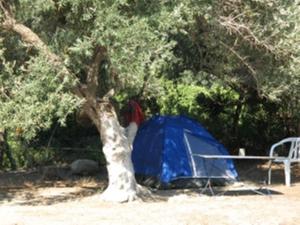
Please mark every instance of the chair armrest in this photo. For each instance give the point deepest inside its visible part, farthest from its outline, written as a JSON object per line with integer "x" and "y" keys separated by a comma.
{"x": 286, "y": 140}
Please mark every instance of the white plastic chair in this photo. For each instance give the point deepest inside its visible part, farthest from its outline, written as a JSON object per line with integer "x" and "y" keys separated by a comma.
{"x": 293, "y": 156}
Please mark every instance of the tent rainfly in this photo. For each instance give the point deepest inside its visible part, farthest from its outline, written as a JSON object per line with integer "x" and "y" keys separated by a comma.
{"x": 165, "y": 149}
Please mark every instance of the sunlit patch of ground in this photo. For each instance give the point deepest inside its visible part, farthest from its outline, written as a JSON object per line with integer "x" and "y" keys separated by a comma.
{"x": 26, "y": 200}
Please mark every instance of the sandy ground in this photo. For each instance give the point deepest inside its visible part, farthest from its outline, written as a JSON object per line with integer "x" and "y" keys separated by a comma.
{"x": 26, "y": 200}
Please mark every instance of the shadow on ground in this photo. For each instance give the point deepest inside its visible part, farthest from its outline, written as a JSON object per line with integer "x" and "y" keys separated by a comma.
{"x": 256, "y": 172}
{"x": 25, "y": 187}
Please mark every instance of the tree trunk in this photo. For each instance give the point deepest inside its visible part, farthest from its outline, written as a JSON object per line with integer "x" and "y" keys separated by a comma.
{"x": 122, "y": 186}
{"x": 236, "y": 118}
{"x": 4, "y": 148}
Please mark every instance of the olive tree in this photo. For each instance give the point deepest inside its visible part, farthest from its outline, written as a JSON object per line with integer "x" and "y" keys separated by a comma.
{"x": 58, "y": 56}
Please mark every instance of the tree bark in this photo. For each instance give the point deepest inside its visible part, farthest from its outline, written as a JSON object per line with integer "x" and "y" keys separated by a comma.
{"x": 122, "y": 185}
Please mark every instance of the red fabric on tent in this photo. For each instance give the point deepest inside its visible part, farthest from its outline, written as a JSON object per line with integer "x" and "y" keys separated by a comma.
{"x": 134, "y": 114}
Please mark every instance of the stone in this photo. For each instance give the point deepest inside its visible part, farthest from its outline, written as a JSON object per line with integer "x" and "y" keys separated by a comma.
{"x": 84, "y": 167}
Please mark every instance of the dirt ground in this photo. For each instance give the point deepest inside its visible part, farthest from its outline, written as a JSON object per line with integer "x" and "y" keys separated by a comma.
{"x": 26, "y": 199}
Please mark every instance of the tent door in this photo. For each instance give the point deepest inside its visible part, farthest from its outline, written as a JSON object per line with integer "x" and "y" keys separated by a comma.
{"x": 204, "y": 168}
{"x": 190, "y": 155}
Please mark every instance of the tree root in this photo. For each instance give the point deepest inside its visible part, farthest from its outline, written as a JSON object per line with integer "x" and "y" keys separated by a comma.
{"x": 121, "y": 196}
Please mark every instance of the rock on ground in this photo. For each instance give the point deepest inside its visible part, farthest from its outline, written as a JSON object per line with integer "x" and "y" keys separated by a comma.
{"x": 84, "y": 166}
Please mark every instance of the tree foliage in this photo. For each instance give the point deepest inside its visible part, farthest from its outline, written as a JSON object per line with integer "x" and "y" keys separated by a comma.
{"x": 233, "y": 65}
{"x": 136, "y": 45}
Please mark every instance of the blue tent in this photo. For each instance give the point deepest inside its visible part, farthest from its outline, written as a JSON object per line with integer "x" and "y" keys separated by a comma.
{"x": 164, "y": 149}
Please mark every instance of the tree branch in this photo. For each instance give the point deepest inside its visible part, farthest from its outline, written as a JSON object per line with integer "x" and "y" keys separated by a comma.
{"x": 31, "y": 38}
{"x": 87, "y": 91}
{"x": 5, "y": 8}
{"x": 249, "y": 67}
{"x": 8, "y": 17}
{"x": 239, "y": 57}
{"x": 244, "y": 32}
{"x": 94, "y": 69}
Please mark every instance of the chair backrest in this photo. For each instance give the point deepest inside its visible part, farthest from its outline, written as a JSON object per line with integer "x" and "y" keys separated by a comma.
{"x": 294, "y": 151}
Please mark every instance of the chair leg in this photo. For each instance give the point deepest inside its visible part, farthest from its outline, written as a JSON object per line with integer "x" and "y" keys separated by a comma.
{"x": 287, "y": 172}
{"x": 269, "y": 172}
